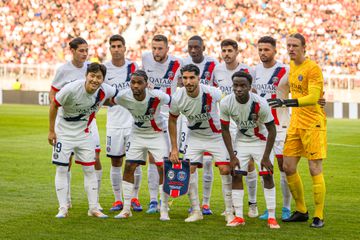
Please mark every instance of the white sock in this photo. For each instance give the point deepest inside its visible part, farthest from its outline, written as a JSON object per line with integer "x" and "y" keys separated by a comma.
{"x": 91, "y": 186}
{"x": 68, "y": 177}
{"x": 193, "y": 192}
{"x": 285, "y": 191}
{"x": 116, "y": 182}
{"x": 270, "y": 199}
{"x": 164, "y": 199}
{"x": 137, "y": 181}
{"x": 98, "y": 178}
{"x": 153, "y": 182}
{"x": 208, "y": 177}
{"x": 226, "y": 181}
{"x": 61, "y": 185}
{"x": 251, "y": 183}
{"x": 238, "y": 202}
{"x": 128, "y": 193}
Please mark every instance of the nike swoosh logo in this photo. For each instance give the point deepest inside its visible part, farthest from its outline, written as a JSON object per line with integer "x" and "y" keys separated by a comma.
{"x": 150, "y": 70}
{"x": 77, "y": 104}
{"x": 59, "y": 189}
{"x": 111, "y": 78}
{"x": 186, "y": 110}
{"x": 220, "y": 80}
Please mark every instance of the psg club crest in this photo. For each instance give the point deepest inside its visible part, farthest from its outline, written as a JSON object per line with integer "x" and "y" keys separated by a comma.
{"x": 300, "y": 77}
{"x": 152, "y": 111}
{"x": 55, "y": 156}
{"x": 254, "y": 117}
{"x": 207, "y": 75}
{"x": 176, "y": 178}
{"x": 275, "y": 80}
{"x": 171, "y": 74}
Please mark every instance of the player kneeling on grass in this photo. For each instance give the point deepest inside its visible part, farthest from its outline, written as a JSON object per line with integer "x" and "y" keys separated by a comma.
{"x": 254, "y": 140}
{"x": 80, "y": 100}
{"x": 148, "y": 134}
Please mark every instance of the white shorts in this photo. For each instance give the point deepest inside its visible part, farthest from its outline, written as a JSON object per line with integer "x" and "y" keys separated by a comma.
{"x": 95, "y": 135}
{"x": 196, "y": 146}
{"x": 83, "y": 150}
{"x": 184, "y": 130}
{"x": 245, "y": 152}
{"x": 116, "y": 139}
{"x": 279, "y": 144}
{"x": 138, "y": 146}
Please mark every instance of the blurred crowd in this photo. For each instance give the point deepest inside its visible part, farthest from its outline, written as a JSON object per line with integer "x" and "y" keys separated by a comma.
{"x": 37, "y": 33}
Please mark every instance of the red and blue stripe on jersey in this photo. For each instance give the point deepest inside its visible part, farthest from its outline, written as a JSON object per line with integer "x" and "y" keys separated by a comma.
{"x": 130, "y": 69}
{"x": 208, "y": 68}
{"x": 173, "y": 67}
{"x": 208, "y": 108}
{"x": 278, "y": 74}
{"x": 100, "y": 96}
{"x": 151, "y": 110}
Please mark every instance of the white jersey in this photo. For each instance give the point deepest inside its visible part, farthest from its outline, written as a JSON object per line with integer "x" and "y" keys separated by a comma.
{"x": 79, "y": 108}
{"x": 163, "y": 76}
{"x": 250, "y": 117}
{"x": 67, "y": 73}
{"x": 119, "y": 77}
{"x": 206, "y": 67}
{"x": 201, "y": 112}
{"x": 146, "y": 113}
{"x": 273, "y": 83}
{"x": 222, "y": 76}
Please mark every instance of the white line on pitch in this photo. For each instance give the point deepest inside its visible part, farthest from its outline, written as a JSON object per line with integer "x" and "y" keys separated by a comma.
{"x": 344, "y": 145}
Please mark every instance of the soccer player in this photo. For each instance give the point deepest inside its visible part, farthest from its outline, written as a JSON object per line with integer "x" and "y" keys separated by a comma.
{"x": 80, "y": 100}
{"x": 306, "y": 136}
{"x": 271, "y": 81}
{"x": 148, "y": 135}
{"x": 199, "y": 104}
{"x": 69, "y": 72}
{"x": 222, "y": 77}
{"x": 254, "y": 140}
{"x": 119, "y": 121}
{"x": 206, "y": 64}
{"x": 163, "y": 71}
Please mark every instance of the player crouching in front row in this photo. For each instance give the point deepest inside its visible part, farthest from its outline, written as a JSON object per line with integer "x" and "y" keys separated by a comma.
{"x": 80, "y": 100}
{"x": 254, "y": 140}
{"x": 148, "y": 135}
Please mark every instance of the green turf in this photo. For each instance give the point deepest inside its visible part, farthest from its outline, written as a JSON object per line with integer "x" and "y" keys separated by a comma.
{"x": 28, "y": 201}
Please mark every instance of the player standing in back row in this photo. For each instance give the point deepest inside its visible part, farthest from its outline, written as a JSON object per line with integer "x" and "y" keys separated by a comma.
{"x": 119, "y": 121}
{"x": 223, "y": 78}
{"x": 163, "y": 71}
{"x": 206, "y": 64}
{"x": 271, "y": 81}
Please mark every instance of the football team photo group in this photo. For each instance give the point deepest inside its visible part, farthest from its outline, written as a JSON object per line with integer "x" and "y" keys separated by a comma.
{"x": 182, "y": 115}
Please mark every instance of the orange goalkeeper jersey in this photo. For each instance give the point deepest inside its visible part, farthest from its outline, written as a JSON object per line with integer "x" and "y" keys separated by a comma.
{"x": 301, "y": 77}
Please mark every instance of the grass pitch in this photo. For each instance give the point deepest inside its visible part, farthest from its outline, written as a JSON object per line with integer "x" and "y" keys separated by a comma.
{"x": 28, "y": 201}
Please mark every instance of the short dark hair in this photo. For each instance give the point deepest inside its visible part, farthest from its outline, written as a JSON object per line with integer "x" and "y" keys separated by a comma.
{"x": 190, "y": 68}
{"x": 95, "y": 67}
{"x": 74, "y": 44}
{"x": 268, "y": 39}
{"x": 140, "y": 73}
{"x": 117, "y": 37}
{"x": 300, "y": 37}
{"x": 160, "y": 38}
{"x": 197, "y": 38}
{"x": 243, "y": 74}
{"x": 229, "y": 42}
